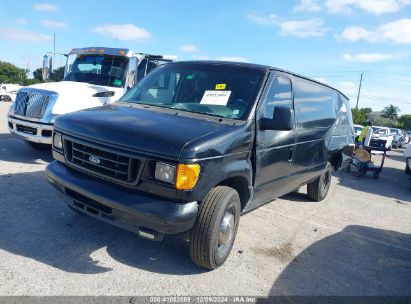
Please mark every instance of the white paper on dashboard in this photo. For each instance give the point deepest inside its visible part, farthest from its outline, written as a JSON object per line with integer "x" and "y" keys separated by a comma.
{"x": 219, "y": 98}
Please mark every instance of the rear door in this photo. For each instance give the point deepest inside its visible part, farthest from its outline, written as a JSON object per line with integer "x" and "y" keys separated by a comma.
{"x": 274, "y": 149}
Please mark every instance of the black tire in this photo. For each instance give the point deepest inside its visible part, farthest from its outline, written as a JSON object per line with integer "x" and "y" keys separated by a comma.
{"x": 348, "y": 168}
{"x": 317, "y": 190}
{"x": 205, "y": 248}
{"x": 407, "y": 170}
{"x": 38, "y": 146}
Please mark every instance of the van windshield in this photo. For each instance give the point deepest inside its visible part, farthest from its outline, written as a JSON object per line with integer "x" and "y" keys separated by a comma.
{"x": 221, "y": 90}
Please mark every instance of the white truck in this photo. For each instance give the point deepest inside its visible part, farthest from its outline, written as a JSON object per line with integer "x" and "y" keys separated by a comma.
{"x": 93, "y": 77}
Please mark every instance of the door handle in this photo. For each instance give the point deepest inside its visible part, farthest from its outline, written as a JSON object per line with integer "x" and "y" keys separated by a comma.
{"x": 290, "y": 156}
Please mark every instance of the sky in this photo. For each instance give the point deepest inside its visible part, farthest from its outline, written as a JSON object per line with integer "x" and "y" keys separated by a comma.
{"x": 333, "y": 41}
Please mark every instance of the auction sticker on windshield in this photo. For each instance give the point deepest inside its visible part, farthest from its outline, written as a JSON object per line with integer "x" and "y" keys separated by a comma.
{"x": 219, "y": 98}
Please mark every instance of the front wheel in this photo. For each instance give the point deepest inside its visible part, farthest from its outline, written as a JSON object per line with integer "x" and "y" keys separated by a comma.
{"x": 215, "y": 229}
{"x": 317, "y": 190}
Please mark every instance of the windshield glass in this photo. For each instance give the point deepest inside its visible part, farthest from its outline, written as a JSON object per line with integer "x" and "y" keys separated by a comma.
{"x": 381, "y": 132}
{"x": 98, "y": 69}
{"x": 357, "y": 129}
{"x": 215, "y": 89}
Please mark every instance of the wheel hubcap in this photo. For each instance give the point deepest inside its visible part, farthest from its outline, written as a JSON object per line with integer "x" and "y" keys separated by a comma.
{"x": 226, "y": 229}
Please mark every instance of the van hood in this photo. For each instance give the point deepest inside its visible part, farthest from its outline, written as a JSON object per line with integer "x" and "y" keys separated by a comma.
{"x": 74, "y": 96}
{"x": 154, "y": 132}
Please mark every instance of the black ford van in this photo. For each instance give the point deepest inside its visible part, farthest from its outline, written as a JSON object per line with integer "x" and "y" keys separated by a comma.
{"x": 195, "y": 144}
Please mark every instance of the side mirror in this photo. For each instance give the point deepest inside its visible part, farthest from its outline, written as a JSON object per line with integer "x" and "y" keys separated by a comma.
{"x": 47, "y": 67}
{"x": 283, "y": 120}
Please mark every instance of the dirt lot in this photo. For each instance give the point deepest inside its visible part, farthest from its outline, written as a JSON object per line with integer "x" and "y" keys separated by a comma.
{"x": 356, "y": 242}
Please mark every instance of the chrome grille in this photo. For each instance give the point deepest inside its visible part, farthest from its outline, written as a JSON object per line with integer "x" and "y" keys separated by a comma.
{"x": 21, "y": 103}
{"x": 32, "y": 105}
{"x": 102, "y": 162}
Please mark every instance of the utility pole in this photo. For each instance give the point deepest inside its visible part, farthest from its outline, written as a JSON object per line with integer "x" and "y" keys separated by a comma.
{"x": 359, "y": 90}
{"x": 54, "y": 50}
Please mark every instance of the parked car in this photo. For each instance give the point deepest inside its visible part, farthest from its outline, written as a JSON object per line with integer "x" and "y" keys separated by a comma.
{"x": 398, "y": 138}
{"x": 357, "y": 130}
{"x": 5, "y": 97}
{"x": 381, "y": 137}
{"x": 195, "y": 144}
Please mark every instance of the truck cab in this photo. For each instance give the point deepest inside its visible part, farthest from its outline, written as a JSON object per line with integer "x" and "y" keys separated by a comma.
{"x": 195, "y": 144}
{"x": 93, "y": 77}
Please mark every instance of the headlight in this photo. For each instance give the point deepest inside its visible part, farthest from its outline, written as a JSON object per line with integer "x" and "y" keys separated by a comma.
{"x": 165, "y": 173}
{"x": 57, "y": 141}
{"x": 11, "y": 110}
{"x": 187, "y": 176}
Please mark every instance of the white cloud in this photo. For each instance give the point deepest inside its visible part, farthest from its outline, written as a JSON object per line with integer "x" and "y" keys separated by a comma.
{"x": 201, "y": 57}
{"x": 347, "y": 87}
{"x": 188, "y": 48}
{"x": 398, "y": 31}
{"x": 308, "y": 6}
{"x": 233, "y": 58}
{"x": 356, "y": 33}
{"x": 22, "y": 21}
{"x": 376, "y": 7}
{"x": 370, "y": 57}
{"x": 303, "y": 29}
{"x": 22, "y": 35}
{"x": 124, "y": 32}
{"x": 45, "y": 7}
{"x": 296, "y": 28}
{"x": 271, "y": 19}
{"x": 53, "y": 24}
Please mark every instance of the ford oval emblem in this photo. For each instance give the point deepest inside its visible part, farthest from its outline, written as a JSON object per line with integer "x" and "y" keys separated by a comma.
{"x": 94, "y": 160}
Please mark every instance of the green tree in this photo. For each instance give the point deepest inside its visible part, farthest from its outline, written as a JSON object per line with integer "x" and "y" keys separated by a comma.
{"x": 383, "y": 121}
{"x": 358, "y": 116}
{"x": 37, "y": 74}
{"x": 391, "y": 112}
{"x": 9, "y": 73}
{"x": 405, "y": 121}
{"x": 57, "y": 74}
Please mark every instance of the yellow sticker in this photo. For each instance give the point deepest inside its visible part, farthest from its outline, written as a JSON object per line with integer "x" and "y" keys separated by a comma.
{"x": 220, "y": 86}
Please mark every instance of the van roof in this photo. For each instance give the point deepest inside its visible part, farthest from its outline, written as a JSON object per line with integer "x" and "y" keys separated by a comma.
{"x": 260, "y": 66}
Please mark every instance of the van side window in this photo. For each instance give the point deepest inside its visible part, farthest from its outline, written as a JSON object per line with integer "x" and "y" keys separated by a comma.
{"x": 280, "y": 94}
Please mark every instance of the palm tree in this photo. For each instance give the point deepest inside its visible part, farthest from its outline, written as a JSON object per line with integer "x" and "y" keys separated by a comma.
{"x": 391, "y": 112}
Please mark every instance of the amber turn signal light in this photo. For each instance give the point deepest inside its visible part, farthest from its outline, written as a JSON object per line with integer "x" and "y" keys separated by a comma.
{"x": 187, "y": 176}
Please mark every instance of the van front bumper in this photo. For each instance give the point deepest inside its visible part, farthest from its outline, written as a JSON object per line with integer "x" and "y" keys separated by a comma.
{"x": 31, "y": 131}
{"x": 145, "y": 215}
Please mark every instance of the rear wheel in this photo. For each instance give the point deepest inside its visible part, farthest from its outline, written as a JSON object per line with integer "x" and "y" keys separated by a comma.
{"x": 215, "y": 229}
{"x": 317, "y": 190}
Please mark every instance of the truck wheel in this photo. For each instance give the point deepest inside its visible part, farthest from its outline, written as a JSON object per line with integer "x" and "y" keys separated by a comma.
{"x": 318, "y": 189}
{"x": 38, "y": 146}
{"x": 215, "y": 229}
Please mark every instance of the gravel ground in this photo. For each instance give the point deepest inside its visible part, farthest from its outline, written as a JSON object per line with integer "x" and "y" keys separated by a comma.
{"x": 356, "y": 242}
